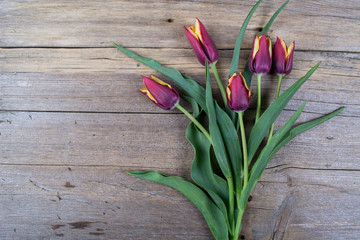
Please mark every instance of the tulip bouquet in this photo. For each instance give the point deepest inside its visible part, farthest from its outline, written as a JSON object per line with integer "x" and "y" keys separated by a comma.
{"x": 222, "y": 195}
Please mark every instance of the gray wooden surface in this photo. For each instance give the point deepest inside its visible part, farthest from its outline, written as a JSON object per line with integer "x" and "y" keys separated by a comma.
{"x": 72, "y": 120}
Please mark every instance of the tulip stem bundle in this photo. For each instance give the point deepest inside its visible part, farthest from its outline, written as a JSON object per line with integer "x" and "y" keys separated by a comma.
{"x": 212, "y": 191}
{"x": 219, "y": 82}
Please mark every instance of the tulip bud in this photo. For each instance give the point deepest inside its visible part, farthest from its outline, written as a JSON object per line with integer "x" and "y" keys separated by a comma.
{"x": 237, "y": 93}
{"x": 161, "y": 93}
{"x": 202, "y": 44}
{"x": 260, "y": 59}
{"x": 283, "y": 57}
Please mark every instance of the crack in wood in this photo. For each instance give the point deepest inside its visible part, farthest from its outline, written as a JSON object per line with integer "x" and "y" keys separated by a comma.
{"x": 341, "y": 190}
{"x": 283, "y": 218}
{"x": 39, "y": 186}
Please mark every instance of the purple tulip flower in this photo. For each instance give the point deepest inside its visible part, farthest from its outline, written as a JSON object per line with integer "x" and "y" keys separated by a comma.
{"x": 260, "y": 59}
{"x": 237, "y": 93}
{"x": 161, "y": 93}
{"x": 202, "y": 44}
{"x": 283, "y": 57}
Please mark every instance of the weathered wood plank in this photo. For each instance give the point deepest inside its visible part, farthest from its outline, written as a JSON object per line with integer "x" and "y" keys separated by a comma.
{"x": 105, "y": 80}
{"x": 135, "y": 24}
{"x": 155, "y": 141}
{"x": 103, "y": 202}
{"x": 73, "y": 121}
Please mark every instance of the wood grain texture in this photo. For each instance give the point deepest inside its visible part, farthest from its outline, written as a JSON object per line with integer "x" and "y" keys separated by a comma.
{"x": 104, "y": 202}
{"x": 136, "y": 24}
{"x": 72, "y": 120}
{"x": 154, "y": 141}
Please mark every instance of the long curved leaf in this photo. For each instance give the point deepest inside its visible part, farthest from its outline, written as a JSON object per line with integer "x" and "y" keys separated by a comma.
{"x": 261, "y": 163}
{"x": 232, "y": 144}
{"x": 235, "y": 60}
{"x": 201, "y": 170}
{"x": 222, "y": 207}
{"x": 304, "y": 127}
{"x": 193, "y": 88}
{"x": 262, "y": 126}
{"x": 286, "y": 138}
{"x": 213, "y": 216}
{"x": 217, "y": 141}
{"x": 247, "y": 73}
{"x": 263, "y": 159}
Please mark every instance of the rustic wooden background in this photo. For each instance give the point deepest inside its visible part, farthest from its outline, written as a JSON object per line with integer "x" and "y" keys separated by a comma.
{"x": 72, "y": 120}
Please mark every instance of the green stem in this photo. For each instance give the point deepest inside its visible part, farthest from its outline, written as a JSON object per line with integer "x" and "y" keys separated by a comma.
{"x": 238, "y": 225}
{"x": 244, "y": 146}
{"x": 231, "y": 201}
{"x": 219, "y": 82}
{"x": 204, "y": 131}
{"x": 277, "y": 95}
{"x": 258, "y": 97}
{"x": 246, "y": 177}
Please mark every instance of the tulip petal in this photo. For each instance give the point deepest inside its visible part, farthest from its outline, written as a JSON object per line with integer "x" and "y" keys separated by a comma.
{"x": 148, "y": 94}
{"x": 196, "y": 45}
{"x": 289, "y": 58}
{"x": 283, "y": 45}
{"x": 262, "y": 62}
{"x": 228, "y": 89}
{"x": 268, "y": 40}
{"x": 159, "y": 81}
{"x": 290, "y": 49}
{"x": 279, "y": 58}
{"x": 196, "y": 29}
{"x": 208, "y": 44}
{"x": 255, "y": 49}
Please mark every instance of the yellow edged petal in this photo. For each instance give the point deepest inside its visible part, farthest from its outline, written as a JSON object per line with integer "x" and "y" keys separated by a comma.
{"x": 256, "y": 46}
{"x": 148, "y": 94}
{"x": 244, "y": 81}
{"x": 197, "y": 29}
{"x": 269, "y": 45}
{"x": 159, "y": 81}
{"x": 289, "y": 49}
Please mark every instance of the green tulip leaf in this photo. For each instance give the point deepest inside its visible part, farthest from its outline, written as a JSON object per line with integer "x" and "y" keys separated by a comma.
{"x": 262, "y": 126}
{"x": 201, "y": 170}
{"x": 263, "y": 158}
{"x": 232, "y": 144}
{"x": 279, "y": 144}
{"x": 247, "y": 73}
{"x": 193, "y": 88}
{"x": 222, "y": 207}
{"x": 304, "y": 127}
{"x": 217, "y": 141}
{"x": 213, "y": 216}
{"x": 235, "y": 60}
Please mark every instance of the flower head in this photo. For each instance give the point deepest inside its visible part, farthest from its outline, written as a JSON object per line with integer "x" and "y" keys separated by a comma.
{"x": 201, "y": 42}
{"x": 260, "y": 59}
{"x": 161, "y": 93}
{"x": 237, "y": 93}
{"x": 283, "y": 57}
